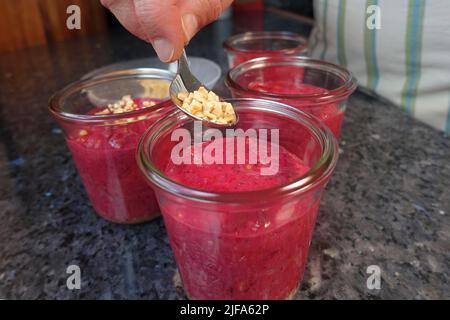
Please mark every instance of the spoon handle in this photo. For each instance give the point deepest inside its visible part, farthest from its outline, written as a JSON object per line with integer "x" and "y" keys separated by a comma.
{"x": 190, "y": 81}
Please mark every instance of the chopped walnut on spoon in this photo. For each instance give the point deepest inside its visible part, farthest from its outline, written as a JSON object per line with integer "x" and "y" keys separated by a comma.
{"x": 206, "y": 105}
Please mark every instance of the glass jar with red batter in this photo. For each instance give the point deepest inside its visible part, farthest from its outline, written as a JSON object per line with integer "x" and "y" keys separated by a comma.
{"x": 239, "y": 231}
{"x": 318, "y": 87}
{"x": 103, "y": 119}
{"x": 250, "y": 45}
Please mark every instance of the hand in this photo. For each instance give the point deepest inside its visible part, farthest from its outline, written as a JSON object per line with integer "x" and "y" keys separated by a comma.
{"x": 167, "y": 24}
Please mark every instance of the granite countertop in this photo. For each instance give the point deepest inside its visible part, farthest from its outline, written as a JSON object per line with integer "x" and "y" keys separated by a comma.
{"x": 388, "y": 203}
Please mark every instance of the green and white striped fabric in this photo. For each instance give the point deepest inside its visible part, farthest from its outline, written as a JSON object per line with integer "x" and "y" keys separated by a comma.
{"x": 406, "y": 60}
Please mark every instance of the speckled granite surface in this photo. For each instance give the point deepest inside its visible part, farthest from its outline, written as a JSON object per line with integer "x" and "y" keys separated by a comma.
{"x": 388, "y": 203}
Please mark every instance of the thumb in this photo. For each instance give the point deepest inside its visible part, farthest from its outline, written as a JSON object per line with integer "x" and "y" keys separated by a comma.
{"x": 195, "y": 14}
{"x": 161, "y": 23}
{"x": 154, "y": 21}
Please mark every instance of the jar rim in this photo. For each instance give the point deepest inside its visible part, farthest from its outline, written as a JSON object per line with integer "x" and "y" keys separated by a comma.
{"x": 56, "y": 100}
{"x": 316, "y": 176}
{"x": 231, "y": 43}
{"x": 343, "y": 91}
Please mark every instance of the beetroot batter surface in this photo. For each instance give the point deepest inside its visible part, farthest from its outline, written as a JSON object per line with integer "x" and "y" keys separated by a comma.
{"x": 245, "y": 251}
{"x": 236, "y": 177}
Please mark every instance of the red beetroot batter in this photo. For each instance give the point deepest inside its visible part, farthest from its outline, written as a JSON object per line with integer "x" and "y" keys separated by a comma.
{"x": 245, "y": 252}
{"x": 105, "y": 158}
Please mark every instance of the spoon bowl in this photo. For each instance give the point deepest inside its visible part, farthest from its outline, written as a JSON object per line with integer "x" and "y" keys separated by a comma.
{"x": 185, "y": 81}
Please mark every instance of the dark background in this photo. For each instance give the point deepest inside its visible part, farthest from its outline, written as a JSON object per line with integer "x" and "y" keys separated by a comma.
{"x": 301, "y": 7}
{"x": 30, "y": 23}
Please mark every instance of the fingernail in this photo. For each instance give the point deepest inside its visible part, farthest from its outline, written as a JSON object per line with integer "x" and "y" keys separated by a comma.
{"x": 164, "y": 49}
{"x": 190, "y": 25}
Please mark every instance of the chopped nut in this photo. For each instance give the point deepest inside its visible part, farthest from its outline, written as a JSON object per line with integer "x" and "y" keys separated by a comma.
{"x": 202, "y": 91}
{"x": 148, "y": 103}
{"x": 207, "y": 105}
{"x": 186, "y": 107}
{"x": 156, "y": 88}
{"x": 212, "y": 96}
{"x": 126, "y": 104}
{"x": 183, "y": 95}
{"x": 217, "y": 109}
{"x": 210, "y": 115}
{"x": 189, "y": 99}
{"x": 104, "y": 111}
{"x": 83, "y": 133}
{"x": 200, "y": 97}
{"x": 228, "y": 108}
{"x": 196, "y": 105}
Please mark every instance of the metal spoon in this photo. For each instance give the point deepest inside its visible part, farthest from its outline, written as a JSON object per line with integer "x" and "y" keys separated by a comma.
{"x": 185, "y": 81}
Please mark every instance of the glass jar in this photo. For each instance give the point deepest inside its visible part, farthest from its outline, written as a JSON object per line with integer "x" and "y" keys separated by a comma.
{"x": 249, "y": 45}
{"x": 318, "y": 87}
{"x": 249, "y": 244}
{"x": 104, "y": 146}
